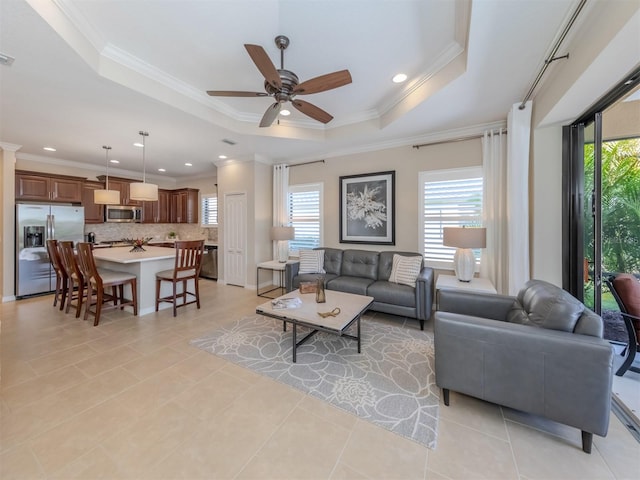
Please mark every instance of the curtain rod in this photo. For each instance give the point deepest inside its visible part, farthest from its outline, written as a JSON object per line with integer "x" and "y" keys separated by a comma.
{"x": 306, "y": 163}
{"x": 552, "y": 56}
{"x": 453, "y": 140}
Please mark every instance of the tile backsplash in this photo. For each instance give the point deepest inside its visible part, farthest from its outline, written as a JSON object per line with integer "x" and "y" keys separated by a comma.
{"x": 160, "y": 231}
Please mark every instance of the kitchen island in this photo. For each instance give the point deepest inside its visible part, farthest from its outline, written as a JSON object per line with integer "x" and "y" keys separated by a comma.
{"x": 144, "y": 265}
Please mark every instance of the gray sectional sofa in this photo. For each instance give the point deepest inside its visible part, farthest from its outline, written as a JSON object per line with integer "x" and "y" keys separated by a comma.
{"x": 367, "y": 273}
{"x": 541, "y": 352}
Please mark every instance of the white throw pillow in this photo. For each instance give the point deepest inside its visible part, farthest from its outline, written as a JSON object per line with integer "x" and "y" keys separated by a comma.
{"x": 311, "y": 261}
{"x": 405, "y": 270}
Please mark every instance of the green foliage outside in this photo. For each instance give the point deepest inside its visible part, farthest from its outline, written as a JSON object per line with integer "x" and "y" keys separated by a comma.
{"x": 620, "y": 210}
{"x": 620, "y": 205}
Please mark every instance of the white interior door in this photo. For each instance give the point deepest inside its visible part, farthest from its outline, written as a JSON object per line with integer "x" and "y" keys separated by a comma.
{"x": 235, "y": 239}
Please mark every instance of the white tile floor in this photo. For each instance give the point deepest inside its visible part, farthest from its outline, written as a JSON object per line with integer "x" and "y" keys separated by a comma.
{"x": 130, "y": 399}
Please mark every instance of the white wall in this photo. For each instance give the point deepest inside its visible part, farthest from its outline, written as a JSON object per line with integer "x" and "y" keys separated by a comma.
{"x": 407, "y": 162}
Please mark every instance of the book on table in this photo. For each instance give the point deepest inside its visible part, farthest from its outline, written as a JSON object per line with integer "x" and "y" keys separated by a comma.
{"x": 283, "y": 303}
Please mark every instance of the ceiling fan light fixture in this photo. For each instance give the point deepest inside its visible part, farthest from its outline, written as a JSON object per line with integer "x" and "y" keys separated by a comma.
{"x": 147, "y": 192}
{"x": 285, "y": 112}
{"x": 106, "y": 196}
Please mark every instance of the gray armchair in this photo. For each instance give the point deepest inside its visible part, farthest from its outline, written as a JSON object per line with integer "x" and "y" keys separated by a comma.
{"x": 540, "y": 353}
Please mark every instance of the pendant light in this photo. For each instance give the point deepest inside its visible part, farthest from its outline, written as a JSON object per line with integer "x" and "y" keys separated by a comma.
{"x": 147, "y": 192}
{"x": 106, "y": 196}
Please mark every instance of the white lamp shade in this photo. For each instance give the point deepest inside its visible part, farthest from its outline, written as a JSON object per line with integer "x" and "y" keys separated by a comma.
{"x": 464, "y": 237}
{"x": 282, "y": 233}
{"x": 147, "y": 192}
{"x": 106, "y": 197}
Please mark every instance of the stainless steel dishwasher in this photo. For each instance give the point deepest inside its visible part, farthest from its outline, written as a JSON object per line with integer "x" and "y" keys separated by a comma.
{"x": 210, "y": 262}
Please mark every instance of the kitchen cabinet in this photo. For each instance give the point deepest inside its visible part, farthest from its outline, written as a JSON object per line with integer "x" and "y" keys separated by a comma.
{"x": 158, "y": 211}
{"x": 122, "y": 186}
{"x": 184, "y": 205}
{"x": 93, "y": 213}
{"x": 48, "y": 188}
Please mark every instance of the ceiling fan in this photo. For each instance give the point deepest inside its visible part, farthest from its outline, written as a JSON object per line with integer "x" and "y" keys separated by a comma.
{"x": 283, "y": 85}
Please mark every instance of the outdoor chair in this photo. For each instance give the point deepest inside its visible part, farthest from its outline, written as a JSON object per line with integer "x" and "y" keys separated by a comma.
{"x": 187, "y": 267}
{"x": 625, "y": 288}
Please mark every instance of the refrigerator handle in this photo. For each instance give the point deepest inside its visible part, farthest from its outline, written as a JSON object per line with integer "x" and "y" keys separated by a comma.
{"x": 48, "y": 227}
{"x": 53, "y": 226}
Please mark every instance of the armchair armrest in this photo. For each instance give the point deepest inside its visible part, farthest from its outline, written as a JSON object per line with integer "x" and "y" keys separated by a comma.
{"x": 486, "y": 305}
{"x": 563, "y": 376}
{"x": 424, "y": 293}
{"x": 290, "y": 271}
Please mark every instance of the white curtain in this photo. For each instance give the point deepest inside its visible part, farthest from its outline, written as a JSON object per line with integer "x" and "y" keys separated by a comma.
{"x": 505, "y": 159}
{"x": 519, "y": 128}
{"x": 494, "y": 164}
{"x": 280, "y": 204}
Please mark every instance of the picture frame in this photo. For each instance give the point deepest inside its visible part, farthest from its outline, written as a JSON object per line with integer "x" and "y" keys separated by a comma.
{"x": 367, "y": 208}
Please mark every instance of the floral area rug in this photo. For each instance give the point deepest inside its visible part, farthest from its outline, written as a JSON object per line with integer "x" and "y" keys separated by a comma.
{"x": 391, "y": 383}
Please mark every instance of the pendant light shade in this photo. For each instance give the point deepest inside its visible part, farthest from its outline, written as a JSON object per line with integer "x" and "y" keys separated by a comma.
{"x": 147, "y": 192}
{"x": 144, "y": 191}
{"x": 106, "y": 196}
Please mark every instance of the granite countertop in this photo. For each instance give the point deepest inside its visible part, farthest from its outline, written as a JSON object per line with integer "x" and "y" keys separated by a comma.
{"x": 208, "y": 243}
{"x": 124, "y": 255}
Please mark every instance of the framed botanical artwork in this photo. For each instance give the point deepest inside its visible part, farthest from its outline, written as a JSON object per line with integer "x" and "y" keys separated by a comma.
{"x": 367, "y": 210}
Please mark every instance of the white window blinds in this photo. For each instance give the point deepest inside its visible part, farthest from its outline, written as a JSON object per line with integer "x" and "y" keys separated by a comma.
{"x": 305, "y": 215}
{"x": 449, "y": 198}
{"x": 209, "y": 209}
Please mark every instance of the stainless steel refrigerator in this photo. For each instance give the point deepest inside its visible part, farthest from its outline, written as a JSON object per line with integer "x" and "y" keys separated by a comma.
{"x": 35, "y": 224}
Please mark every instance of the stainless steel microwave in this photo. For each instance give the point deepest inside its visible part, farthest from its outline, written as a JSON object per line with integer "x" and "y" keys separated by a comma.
{"x": 122, "y": 214}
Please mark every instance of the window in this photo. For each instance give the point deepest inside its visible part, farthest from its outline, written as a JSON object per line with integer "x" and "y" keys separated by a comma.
{"x": 449, "y": 198}
{"x": 209, "y": 209}
{"x": 305, "y": 215}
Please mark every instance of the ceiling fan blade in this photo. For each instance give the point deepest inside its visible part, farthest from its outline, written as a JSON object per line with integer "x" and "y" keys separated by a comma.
{"x": 323, "y": 83}
{"x": 270, "y": 115}
{"x": 231, "y": 93}
{"x": 312, "y": 111}
{"x": 264, "y": 64}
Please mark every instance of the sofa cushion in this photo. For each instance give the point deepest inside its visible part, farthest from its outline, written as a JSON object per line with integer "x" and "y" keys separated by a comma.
{"x": 360, "y": 263}
{"x": 385, "y": 262}
{"x": 392, "y": 293}
{"x": 345, "y": 283}
{"x": 542, "y": 304}
{"x": 333, "y": 260}
{"x": 405, "y": 270}
{"x": 311, "y": 261}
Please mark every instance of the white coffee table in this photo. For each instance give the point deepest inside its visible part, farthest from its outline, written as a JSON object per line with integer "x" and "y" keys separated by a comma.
{"x": 351, "y": 309}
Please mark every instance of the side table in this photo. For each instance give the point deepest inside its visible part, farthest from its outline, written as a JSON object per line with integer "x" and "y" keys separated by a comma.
{"x": 477, "y": 284}
{"x": 273, "y": 266}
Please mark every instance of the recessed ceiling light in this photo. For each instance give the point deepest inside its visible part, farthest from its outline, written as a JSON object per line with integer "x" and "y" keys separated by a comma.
{"x": 222, "y": 157}
{"x": 399, "y": 78}
{"x": 188, "y": 164}
{"x": 137, "y": 144}
{"x": 113, "y": 160}
{"x": 49, "y": 149}
{"x": 162, "y": 170}
{"x": 285, "y": 112}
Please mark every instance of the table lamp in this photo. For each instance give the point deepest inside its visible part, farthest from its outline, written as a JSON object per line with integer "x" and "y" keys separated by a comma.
{"x": 464, "y": 239}
{"x": 282, "y": 235}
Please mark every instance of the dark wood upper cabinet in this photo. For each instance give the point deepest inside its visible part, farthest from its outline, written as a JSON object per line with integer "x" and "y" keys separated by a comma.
{"x": 93, "y": 213}
{"x": 184, "y": 205}
{"x": 48, "y": 188}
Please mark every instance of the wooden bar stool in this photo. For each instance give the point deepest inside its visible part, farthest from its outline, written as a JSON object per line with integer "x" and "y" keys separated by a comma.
{"x": 187, "y": 267}
{"x": 75, "y": 279}
{"x": 99, "y": 280}
{"x": 61, "y": 274}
